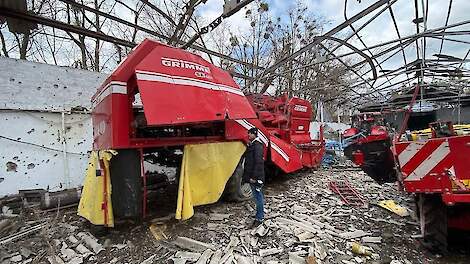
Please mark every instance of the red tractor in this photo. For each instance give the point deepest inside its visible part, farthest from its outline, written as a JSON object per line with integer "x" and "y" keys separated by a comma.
{"x": 367, "y": 144}
{"x": 161, "y": 98}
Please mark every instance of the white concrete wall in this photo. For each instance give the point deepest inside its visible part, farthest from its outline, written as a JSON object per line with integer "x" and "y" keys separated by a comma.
{"x": 32, "y": 99}
{"x": 27, "y": 85}
{"x": 33, "y": 141}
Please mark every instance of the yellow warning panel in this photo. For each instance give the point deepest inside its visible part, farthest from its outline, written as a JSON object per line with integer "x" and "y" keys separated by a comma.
{"x": 205, "y": 170}
{"x": 464, "y": 182}
{"x": 95, "y": 202}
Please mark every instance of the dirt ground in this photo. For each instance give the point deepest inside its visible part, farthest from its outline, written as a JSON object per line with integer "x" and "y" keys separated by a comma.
{"x": 303, "y": 196}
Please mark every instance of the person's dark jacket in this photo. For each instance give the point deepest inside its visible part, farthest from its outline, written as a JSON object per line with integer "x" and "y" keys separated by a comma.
{"x": 254, "y": 162}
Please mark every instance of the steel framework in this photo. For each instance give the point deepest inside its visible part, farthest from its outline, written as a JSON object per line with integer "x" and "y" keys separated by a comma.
{"x": 366, "y": 62}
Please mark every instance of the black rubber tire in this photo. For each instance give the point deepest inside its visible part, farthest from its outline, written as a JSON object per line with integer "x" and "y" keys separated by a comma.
{"x": 235, "y": 191}
{"x": 433, "y": 222}
{"x": 126, "y": 184}
{"x": 98, "y": 230}
{"x": 378, "y": 160}
{"x": 417, "y": 208}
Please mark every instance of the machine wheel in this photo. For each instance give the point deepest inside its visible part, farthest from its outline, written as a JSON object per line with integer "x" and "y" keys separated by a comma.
{"x": 235, "y": 191}
{"x": 98, "y": 230}
{"x": 126, "y": 184}
{"x": 433, "y": 222}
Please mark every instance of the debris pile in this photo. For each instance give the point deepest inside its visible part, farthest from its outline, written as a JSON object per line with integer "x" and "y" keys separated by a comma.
{"x": 46, "y": 239}
{"x": 306, "y": 222}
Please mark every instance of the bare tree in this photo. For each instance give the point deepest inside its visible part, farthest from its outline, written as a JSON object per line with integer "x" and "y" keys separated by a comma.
{"x": 24, "y": 32}
{"x": 3, "y": 42}
{"x": 267, "y": 40}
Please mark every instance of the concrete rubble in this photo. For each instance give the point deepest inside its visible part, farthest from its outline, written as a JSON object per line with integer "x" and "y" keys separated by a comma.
{"x": 310, "y": 224}
{"x": 305, "y": 223}
{"x": 63, "y": 241}
{"x": 191, "y": 244}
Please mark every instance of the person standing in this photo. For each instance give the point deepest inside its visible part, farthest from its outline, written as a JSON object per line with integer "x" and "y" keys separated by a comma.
{"x": 254, "y": 172}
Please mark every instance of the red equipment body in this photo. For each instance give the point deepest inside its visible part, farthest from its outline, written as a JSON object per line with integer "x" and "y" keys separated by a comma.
{"x": 436, "y": 171}
{"x": 438, "y": 166}
{"x": 176, "y": 88}
{"x": 287, "y": 121}
{"x": 161, "y": 96}
{"x": 367, "y": 144}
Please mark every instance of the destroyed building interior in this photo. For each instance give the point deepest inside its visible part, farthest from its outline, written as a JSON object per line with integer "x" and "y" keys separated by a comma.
{"x": 125, "y": 131}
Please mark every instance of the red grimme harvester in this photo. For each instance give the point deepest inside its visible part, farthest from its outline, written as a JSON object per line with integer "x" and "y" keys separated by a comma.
{"x": 161, "y": 98}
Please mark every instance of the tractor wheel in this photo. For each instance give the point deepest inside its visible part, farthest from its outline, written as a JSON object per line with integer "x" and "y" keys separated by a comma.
{"x": 417, "y": 207}
{"x": 235, "y": 191}
{"x": 433, "y": 222}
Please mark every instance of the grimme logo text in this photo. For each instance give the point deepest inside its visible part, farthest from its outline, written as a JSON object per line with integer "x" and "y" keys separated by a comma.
{"x": 201, "y": 71}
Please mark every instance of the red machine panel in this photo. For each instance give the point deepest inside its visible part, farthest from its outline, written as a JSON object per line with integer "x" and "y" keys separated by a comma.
{"x": 350, "y": 132}
{"x": 180, "y": 87}
{"x": 102, "y": 131}
{"x": 300, "y": 133}
{"x": 175, "y": 103}
{"x": 300, "y": 112}
{"x": 299, "y": 108}
{"x": 285, "y": 155}
{"x": 378, "y": 131}
{"x": 428, "y": 165}
{"x": 111, "y": 130}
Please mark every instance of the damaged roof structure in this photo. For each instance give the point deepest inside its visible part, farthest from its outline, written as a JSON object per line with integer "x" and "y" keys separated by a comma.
{"x": 47, "y": 131}
{"x": 421, "y": 45}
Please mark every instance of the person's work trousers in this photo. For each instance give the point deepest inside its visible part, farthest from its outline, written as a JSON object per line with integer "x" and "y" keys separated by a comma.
{"x": 259, "y": 201}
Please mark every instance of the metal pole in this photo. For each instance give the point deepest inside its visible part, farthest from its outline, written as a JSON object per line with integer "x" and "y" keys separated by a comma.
{"x": 64, "y": 148}
{"x": 459, "y": 109}
{"x": 339, "y": 119}
{"x": 404, "y": 125}
{"x": 321, "y": 112}
{"x": 423, "y": 53}
{"x": 144, "y": 183}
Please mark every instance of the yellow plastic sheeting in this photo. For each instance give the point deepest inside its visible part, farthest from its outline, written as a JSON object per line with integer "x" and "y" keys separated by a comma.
{"x": 464, "y": 182}
{"x": 205, "y": 170}
{"x": 393, "y": 207}
{"x": 426, "y": 133}
{"x": 95, "y": 202}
